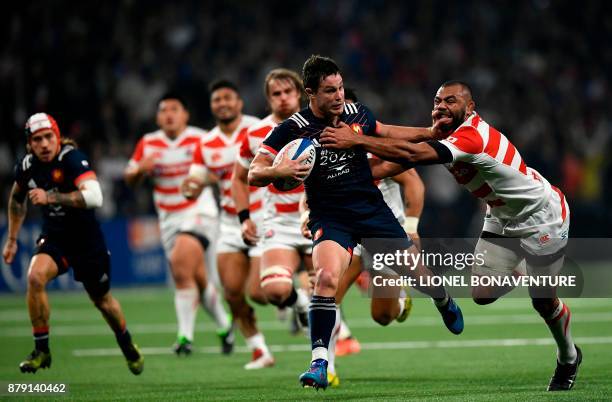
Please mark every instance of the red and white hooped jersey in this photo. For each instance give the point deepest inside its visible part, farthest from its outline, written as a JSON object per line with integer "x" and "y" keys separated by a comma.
{"x": 491, "y": 168}
{"x": 217, "y": 152}
{"x": 278, "y": 205}
{"x": 174, "y": 157}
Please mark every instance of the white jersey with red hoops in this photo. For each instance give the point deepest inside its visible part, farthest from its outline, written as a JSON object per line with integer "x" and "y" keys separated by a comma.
{"x": 491, "y": 168}
{"x": 217, "y": 152}
{"x": 174, "y": 156}
{"x": 279, "y": 206}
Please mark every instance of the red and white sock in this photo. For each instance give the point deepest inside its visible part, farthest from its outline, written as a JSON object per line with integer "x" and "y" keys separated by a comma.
{"x": 258, "y": 341}
{"x": 558, "y": 323}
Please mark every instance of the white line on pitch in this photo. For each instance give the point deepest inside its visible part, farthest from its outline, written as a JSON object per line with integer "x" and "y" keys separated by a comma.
{"x": 103, "y": 330}
{"x": 475, "y": 343}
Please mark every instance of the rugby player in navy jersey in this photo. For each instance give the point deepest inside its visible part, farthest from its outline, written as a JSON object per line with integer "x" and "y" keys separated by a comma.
{"x": 345, "y": 204}
{"x": 57, "y": 177}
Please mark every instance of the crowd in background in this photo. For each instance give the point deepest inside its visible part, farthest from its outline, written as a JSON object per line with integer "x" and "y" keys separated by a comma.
{"x": 540, "y": 72}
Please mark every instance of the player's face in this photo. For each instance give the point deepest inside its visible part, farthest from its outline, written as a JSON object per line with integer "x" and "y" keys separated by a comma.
{"x": 329, "y": 98}
{"x": 172, "y": 116}
{"x": 454, "y": 102}
{"x": 225, "y": 105}
{"x": 44, "y": 145}
{"x": 283, "y": 97}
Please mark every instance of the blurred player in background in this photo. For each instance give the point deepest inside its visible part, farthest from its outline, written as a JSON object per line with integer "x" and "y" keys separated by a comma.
{"x": 345, "y": 205}
{"x": 284, "y": 246}
{"x": 188, "y": 227}
{"x": 527, "y": 218}
{"x": 57, "y": 177}
{"x": 238, "y": 261}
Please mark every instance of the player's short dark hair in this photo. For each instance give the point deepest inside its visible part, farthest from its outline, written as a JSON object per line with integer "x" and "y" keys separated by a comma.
{"x": 283, "y": 74}
{"x": 173, "y": 95}
{"x": 463, "y": 84}
{"x": 349, "y": 94}
{"x": 317, "y": 68}
{"x": 223, "y": 83}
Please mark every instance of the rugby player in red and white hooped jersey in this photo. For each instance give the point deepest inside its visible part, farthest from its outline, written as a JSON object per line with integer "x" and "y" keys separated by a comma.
{"x": 527, "y": 218}
{"x": 238, "y": 262}
{"x": 284, "y": 246}
{"x": 188, "y": 227}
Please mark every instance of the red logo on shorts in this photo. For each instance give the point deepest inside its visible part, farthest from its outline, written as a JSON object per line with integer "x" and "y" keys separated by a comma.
{"x": 269, "y": 234}
{"x": 318, "y": 234}
{"x": 544, "y": 238}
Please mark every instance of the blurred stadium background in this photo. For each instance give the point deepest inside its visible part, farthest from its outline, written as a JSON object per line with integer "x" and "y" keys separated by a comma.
{"x": 541, "y": 72}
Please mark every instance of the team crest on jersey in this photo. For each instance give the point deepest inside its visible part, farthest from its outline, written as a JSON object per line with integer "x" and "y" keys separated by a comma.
{"x": 216, "y": 157}
{"x": 318, "y": 234}
{"x": 57, "y": 175}
{"x": 357, "y": 128}
{"x": 269, "y": 234}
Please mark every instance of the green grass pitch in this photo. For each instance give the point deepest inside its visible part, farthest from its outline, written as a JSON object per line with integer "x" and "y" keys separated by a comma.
{"x": 505, "y": 353}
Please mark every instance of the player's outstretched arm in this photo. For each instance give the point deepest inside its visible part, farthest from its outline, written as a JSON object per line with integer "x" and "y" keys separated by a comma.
{"x": 262, "y": 172}
{"x": 395, "y": 150}
{"x": 17, "y": 209}
{"x": 437, "y": 131}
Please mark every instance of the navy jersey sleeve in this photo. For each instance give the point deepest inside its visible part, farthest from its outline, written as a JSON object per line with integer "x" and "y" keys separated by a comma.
{"x": 279, "y": 137}
{"x": 369, "y": 121}
{"x": 77, "y": 167}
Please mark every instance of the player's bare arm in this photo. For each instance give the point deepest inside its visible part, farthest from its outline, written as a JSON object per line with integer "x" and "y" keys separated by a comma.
{"x": 413, "y": 191}
{"x": 198, "y": 178}
{"x": 391, "y": 149}
{"x": 134, "y": 174}
{"x": 89, "y": 195}
{"x": 262, "y": 172}
{"x": 240, "y": 194}
{"x": 438, "y": 131}
{"x": 17, "y": 209}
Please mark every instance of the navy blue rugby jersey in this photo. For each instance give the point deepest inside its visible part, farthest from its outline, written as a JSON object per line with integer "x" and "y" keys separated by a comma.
{"x": 340, "y": 185}
{"x": 73, "y": 225}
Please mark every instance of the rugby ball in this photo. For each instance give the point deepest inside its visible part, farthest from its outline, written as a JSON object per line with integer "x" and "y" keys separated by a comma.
{"x": 294, "y": 150}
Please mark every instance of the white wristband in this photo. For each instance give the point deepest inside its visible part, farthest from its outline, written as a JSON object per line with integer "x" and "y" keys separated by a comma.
{"x": 411, "y": 224}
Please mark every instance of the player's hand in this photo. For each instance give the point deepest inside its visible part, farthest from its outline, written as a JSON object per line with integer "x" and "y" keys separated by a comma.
{"x": 288, "y": 168}
{"x": 147, "y": 164}
{"x": 340, "y": 137}
{"x": 304, "y": 219}
{"x": 249, "y": 232}
{"x": 9, "y": 251}
{"x": 442, "y": 124}
{"x": 38, "y": 196}
{"x": 191, "y": 188}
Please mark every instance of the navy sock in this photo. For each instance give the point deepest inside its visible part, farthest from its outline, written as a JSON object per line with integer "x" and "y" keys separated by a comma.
{"x": 322, "y": 316}
{"x": 124, "y": 339}
{"x": 41, "y": 339}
